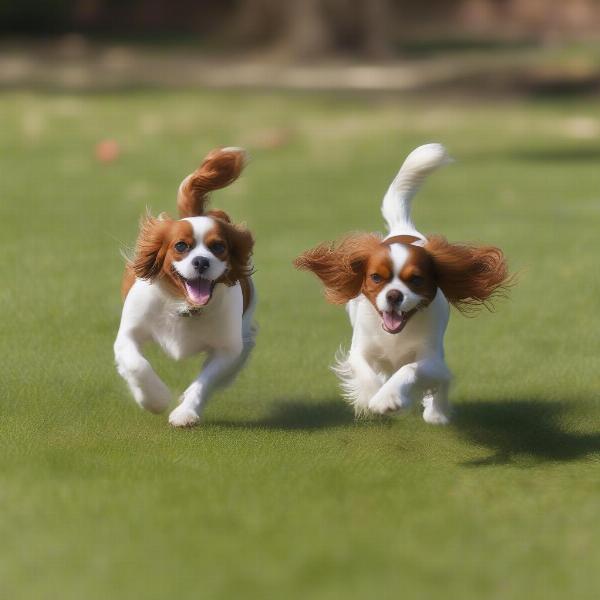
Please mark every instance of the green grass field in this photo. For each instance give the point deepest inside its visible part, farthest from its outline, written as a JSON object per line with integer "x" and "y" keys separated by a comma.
{"x": 280, "y": 493}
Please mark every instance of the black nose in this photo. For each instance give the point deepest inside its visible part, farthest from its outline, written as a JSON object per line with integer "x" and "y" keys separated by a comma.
{"x": 394, "y": 296}
{"x": 201, "y": 263}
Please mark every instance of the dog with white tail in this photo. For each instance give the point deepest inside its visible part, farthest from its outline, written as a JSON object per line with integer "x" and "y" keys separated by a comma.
{"x": 398, "y": 290}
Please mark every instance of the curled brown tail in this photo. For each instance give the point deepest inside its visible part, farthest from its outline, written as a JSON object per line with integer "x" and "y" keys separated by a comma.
{"x": 220, "y": 168}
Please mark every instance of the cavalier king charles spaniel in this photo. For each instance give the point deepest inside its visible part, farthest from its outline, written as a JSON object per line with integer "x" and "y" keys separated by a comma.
{"x": 397, "y": 290}
{"x": 189, "y": 289}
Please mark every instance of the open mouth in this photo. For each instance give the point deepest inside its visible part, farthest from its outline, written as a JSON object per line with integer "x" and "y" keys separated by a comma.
{"x": 199, "y": 291}
{"x": 395, "y": 322}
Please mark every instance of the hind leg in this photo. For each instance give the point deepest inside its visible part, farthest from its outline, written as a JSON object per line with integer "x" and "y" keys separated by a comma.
{"x": 436, "y": 405}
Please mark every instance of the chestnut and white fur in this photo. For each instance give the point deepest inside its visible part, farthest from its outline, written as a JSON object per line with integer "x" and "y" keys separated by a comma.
{"x": 397, "y": 291}
{"x": 188, "y": 288}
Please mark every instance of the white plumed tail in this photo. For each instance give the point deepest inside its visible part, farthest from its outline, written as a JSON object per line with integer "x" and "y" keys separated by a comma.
{"x": 348, "y": 384}
{"x": 352, "y": 391}
{"x": 418, "y": 164}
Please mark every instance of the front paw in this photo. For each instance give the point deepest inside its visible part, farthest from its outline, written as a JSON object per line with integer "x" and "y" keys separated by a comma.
{"x": 393, "y": 398}
{"x": 183, "y": 416}
{"x": 385, "y": 401}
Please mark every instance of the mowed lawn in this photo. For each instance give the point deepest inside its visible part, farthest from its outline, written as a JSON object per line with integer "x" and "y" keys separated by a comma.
{"x": 281, "y": 493}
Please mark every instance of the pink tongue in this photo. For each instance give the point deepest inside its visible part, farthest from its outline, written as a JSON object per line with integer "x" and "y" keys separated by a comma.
{"x": 198, "y": 291}
{"x": 392, "y": 320}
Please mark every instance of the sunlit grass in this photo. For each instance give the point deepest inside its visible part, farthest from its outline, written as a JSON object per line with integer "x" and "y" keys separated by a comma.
{"x": 280, "y": 493}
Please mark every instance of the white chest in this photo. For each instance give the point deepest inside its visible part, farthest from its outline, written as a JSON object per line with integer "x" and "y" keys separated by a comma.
{"x": 159, "y": 316}
{"x": 183, "y": 336}
{"x": 389, "y": 352}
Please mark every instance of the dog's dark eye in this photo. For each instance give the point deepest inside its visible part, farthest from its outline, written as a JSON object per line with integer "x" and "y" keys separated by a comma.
{"x": 376, "y": 277}
{"x": 217, "y": 247}
{"x": 181, "y": 246}
{"x": 416, "y": 280}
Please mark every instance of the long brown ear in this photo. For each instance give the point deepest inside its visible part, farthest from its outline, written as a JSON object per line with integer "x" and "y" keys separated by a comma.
{"x": 469, "y": 276}
{"x": 220, "y": 168}
{"x": 240, "y": 244}
{"x": 340, "y": 266}
{"x": 151, "y": 249}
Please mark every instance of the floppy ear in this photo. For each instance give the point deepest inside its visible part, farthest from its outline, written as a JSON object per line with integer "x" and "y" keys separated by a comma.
{"x": 151, "y": 247}
{"x": 469, "y": 276}
{"x": 240, "y": 244}
{"x": 341, "y": 267}
{"x": 220, "y": 168}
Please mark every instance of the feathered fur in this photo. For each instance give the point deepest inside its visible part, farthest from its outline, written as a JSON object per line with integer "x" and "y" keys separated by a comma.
{"x": 220, "y": 168}
{"x": 340, "y": 266}
{"x": 240, "y": 245}
{"x": 470, "y": 276}
{"x": 150, "y": 250}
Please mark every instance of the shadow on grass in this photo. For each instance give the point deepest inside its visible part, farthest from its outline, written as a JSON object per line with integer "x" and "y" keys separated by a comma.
{"x": 291, "y": 415}
{"x": 510, "y": 429}
{"x": 522, "y": 428}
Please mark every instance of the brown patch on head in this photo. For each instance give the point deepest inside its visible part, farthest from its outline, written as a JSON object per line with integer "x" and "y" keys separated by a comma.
{"x": 232, "y": 244}
{"x": 219, "y": 214}
{"x": 378, "y": 272}
{"x": 418, "y": 273}
{"x": 400, "y": 239}
{"x": 342, "y": 266}
{"x": 220, "y": 168}
{"x": 155, "y": 250}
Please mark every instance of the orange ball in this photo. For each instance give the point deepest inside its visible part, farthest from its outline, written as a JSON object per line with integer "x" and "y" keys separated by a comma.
{"x": 107, "y": 151}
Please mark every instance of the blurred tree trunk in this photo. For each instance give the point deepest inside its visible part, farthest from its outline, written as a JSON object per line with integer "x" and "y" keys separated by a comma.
{"x": 309, "y": 34}
{"x": 255, "y": 21}
{"x": 377, "y": 29}
{"x": 309, "y": 29}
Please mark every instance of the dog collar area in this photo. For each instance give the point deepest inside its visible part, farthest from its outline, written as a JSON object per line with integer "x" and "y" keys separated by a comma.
{"x": 191, "y": 311}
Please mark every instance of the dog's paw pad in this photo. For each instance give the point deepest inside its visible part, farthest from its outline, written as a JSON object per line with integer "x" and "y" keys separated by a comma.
{"x": 183, "y": 416}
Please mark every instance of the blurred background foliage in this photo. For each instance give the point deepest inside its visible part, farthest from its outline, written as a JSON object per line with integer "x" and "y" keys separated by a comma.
{"x": 372, "y": 28}
{"x": 483, "y": 46}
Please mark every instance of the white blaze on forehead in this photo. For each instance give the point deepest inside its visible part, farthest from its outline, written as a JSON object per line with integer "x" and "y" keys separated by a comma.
{"x": 201, "y": 226}
{"x": 400, "y": 255}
